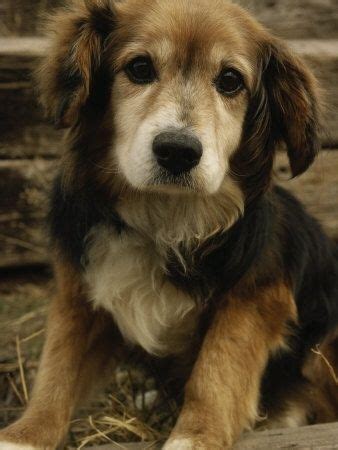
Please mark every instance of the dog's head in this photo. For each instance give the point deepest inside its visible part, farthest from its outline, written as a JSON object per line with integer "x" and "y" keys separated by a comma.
{"x": 193, "y": 93}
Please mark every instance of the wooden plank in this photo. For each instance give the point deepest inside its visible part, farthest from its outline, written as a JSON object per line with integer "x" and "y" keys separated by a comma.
{"x": 316, "y": 437}
{"x": 322, "y": 57}
{"x": 23, "y": 47}
{"x": 297, "y": 19}
{"x": 23, "y": 17}
{"x": 288, "y": 18}
{"x": 24, "y": 133}
{"x": 317, "y": 188}
{"x": 24, "y": 187}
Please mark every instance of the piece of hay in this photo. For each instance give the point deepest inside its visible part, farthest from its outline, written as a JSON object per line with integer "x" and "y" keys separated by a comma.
{"x": 318, "y": 352}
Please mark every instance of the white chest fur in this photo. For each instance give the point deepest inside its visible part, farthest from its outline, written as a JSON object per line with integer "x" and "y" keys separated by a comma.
{"x": 126, "y": 277}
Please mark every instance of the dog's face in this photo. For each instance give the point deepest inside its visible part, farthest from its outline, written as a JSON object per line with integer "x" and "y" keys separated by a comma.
{"x": 199, "y": 94}
{"x": 180, "y": 95}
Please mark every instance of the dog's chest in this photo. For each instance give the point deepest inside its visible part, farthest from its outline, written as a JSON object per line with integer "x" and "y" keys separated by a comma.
{"x": 126, "y": 276}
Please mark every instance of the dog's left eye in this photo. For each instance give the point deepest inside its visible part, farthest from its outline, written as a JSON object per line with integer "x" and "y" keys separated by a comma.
{"x": 140, "y": 70}
{"x": 229, "y": 82}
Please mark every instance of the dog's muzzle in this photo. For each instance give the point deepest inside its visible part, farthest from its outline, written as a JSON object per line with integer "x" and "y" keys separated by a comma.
{"x": 177, "y": 151}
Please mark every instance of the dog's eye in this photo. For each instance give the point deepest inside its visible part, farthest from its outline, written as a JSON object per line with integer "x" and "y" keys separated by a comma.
{"x": 140, "y": 70}
{"x": 229, "y": 82}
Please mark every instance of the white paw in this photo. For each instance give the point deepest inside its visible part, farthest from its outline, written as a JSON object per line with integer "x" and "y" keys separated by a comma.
{"x": 179, "y": 444}
{"x": 11, "y": 446}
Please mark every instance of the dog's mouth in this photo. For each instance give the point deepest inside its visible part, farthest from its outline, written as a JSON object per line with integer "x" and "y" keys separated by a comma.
{"x": 167, "y": 181}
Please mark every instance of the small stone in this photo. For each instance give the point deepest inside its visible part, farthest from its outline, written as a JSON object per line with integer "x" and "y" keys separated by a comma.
{"x": 146, "y": 400}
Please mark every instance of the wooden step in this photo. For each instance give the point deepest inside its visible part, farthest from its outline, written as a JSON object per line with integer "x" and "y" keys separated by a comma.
{"x": 315, "y": 437}
{"x": 24, "y": 187}
{"x": 24, "y": 133}
{"x": 291, "y": 19}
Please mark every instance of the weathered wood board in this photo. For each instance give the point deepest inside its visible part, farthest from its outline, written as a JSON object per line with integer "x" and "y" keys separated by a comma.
{"x": 297, "y": 19}
{"x": 24, "y": 187}
{"x": 23, "y": 17}
{"x": 317, "y": 437}
{"x": 317, "y": 188}
{"x": 322, "y": 58}
{"x": 24, "y": 133}
{"x": 288, "y": 18}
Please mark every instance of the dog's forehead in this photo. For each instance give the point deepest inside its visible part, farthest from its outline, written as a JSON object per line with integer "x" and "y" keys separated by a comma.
{"x": 186, "y": 30}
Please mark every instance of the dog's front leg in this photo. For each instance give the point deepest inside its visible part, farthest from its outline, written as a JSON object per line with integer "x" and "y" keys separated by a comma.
{"x": 221, "y": 397}
{"x": 76, "y": 352}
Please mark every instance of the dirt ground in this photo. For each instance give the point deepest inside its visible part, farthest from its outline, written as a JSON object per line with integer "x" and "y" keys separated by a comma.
{"x": 133, "y": 407}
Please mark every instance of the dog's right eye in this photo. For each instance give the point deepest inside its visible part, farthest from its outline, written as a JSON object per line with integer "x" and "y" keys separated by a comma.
{"x": 140, "y": 70}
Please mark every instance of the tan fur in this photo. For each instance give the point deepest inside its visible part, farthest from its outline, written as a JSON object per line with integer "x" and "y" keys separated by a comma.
{"x": 221, "y": 397}
{"x": 81, "y": 57}
{"x": 78, "y": 347}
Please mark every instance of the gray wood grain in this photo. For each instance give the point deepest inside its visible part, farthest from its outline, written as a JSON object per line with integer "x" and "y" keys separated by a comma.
{"x": 23, "y": 131}
{"x": 24, "y": 187}
{"x": 322, "y": 58}
{"x": 317, "y": 437}
{"x": 24, "y": 17}
{"x": 297, "y": 19}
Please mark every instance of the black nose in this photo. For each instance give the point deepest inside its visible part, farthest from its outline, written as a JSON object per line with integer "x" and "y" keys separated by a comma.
{"x": 178, "y": 152}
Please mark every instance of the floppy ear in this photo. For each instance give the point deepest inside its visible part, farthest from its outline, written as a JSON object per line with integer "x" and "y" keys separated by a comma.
{"x": 71, "y": 63}
{"x": 292, "y": 95}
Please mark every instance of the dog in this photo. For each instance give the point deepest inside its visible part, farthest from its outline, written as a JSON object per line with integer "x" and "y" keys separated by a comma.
{"x": 167, "y": 230}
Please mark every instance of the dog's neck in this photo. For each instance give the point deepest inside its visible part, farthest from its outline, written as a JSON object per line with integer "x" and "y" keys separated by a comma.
{"x": 194, "y": 235}
{"x": 173, "y": 220}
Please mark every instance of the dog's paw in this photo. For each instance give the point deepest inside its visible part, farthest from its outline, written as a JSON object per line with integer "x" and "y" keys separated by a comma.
{"x": 11, "y": 446}
{"x": 178, "y": 444}
{"x": 194, "y": 442}
{"x": 181, "y": 444}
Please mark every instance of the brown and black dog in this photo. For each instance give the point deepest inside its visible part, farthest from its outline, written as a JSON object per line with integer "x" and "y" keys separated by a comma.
{"x": 168, "y": 233}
